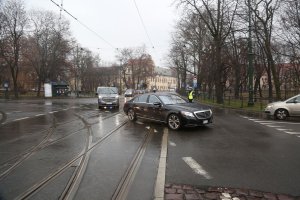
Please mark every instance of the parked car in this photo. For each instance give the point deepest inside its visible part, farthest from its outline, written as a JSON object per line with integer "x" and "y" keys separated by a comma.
{"x": 283, "y": 109}
{"x": 168, "y": 108}
{"x": 108, "y": 97}
{"x": 129, "y": 93}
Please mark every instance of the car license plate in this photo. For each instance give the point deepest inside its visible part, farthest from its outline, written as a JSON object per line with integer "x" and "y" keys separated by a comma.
{"x": 108, "y": 103}
{"x": 205, "y": 122}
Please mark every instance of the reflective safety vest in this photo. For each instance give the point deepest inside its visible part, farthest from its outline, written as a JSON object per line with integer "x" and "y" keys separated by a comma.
{"x": 191, "y": 94}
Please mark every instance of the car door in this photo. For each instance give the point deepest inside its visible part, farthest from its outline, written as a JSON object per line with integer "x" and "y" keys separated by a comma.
{"x": 141, "y": 106}
{"x": 294, "y": 106}
{"x": 155, "y": 108}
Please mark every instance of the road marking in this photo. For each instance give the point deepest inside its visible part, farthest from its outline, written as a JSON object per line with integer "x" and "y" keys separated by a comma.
{"x": 138, "y": 122}
{"x": 292, "y": 133}
{"x": 276, "y": 124}
{"x": 39, "y": 115}
{"x": 159, "y": 190}
{"x": 197, "y": 168}
{"x": 272, "y": 126}
{"x": 20, "y": 119}
{"x": 266, "y": 123}
{"x": 282, "y": 129}
{"x": 172, "y": 144}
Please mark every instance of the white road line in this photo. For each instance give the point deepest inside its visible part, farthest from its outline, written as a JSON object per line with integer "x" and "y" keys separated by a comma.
{"x": 39, "y": 115}
{"x": 264, "y": 123}
{"x": 197, "y": 168}
{"x": 292, "y": 133}
{"x": 172, "y": 144}
{"x": 253, "y": 119}
{"x": 161, "y": 174}
{"x": 20, "y": 119}
{"x": 272, "y": 126}
{"x": 282, "y": 129}
{"x": 259, "y": 121}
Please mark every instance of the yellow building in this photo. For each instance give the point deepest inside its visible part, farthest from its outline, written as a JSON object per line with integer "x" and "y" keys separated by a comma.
{"x": 164, "y": 80}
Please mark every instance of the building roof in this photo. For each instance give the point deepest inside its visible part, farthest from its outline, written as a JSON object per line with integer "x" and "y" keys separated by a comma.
{"x": 164, "y": 71}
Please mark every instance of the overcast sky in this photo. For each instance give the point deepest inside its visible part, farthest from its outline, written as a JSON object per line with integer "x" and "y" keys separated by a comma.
{"x": 118, "y": 23}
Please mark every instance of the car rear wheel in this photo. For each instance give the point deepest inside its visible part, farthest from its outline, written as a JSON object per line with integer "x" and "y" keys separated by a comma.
{"x": 281, "y": 114}
{"x": 131, "y": 115}
{"x": 174, "y": 122}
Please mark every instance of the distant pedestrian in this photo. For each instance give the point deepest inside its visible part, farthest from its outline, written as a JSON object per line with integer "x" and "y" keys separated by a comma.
{"x": 191, "y": 95}
{"x": 154, "y": 90}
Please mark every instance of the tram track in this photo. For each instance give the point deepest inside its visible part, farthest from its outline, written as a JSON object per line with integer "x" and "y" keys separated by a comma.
{"x": 18, "y": 159}
{"x": 124, "y": 186}
{"x": 82, "y": 160}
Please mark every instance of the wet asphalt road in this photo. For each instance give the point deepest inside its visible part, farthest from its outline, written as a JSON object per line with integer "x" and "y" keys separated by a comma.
{"x": 68, "y": 149}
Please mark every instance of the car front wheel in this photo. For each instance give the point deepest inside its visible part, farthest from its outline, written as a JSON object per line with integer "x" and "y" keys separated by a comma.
{"x": 174, "y": 122}
{"x": 281, "y": 114}
{"x": 131, "y": 115}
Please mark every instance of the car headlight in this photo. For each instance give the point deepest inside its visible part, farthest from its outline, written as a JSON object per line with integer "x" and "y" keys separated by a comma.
{"x": 99, "y": 97}
{"x": 187, "y": 114}
{"x": 117, "y": 96}
{"x": 270, "y": 106}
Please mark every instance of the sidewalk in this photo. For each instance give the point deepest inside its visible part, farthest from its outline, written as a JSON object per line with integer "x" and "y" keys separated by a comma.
{"x": 188, "y": 192}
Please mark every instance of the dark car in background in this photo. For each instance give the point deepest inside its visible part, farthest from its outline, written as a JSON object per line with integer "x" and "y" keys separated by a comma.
{"x": 168, "y": 108}
{"x": 129, "y": 93}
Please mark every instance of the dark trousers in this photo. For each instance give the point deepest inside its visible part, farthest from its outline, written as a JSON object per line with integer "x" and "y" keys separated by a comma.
{"x": 190, "y": 100}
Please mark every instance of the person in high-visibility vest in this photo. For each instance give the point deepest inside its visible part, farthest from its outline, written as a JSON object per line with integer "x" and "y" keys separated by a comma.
{"x": 191, "y": 95}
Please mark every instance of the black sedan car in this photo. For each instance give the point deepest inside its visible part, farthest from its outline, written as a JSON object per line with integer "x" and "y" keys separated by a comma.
{"x": 168, "y": 108}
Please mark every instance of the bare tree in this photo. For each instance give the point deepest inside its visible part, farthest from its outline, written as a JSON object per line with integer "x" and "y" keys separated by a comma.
{"x": 13, "y": 22}
{"x": 264, "y": 11}
{"x": 290, "y": 21}
{"x": 218, "y": 16}
{"x": 47, "y": 46}
{"x": 124, "y": 56}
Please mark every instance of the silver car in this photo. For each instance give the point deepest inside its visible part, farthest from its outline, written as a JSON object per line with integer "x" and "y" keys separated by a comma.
{"x": 283, "y": 109}
{"x": 108, "y": 97}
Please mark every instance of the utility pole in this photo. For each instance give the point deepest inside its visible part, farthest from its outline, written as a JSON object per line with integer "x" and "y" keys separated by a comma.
{"x": 250, "y": 58}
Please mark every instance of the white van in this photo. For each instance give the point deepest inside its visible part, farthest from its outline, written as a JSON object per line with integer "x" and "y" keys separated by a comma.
{"x": 108, "y": 97}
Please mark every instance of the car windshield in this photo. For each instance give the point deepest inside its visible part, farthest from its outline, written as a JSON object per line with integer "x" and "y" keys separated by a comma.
{"x": 108, "y": 90}
{"x": 171, "y": 99}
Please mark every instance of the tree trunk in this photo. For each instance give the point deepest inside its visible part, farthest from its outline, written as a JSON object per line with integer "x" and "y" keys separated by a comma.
{"x": 219, "y": 74}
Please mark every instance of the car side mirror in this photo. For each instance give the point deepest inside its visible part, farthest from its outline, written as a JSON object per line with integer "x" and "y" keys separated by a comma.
{"x": 96, "y": 94}
{"x": 157, "y": 104}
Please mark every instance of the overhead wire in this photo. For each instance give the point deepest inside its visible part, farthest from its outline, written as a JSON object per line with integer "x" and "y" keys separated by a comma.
{"x": 99, "y": 36}
{"x": 145, "y": 29}
{"x": 142, "y": 21}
